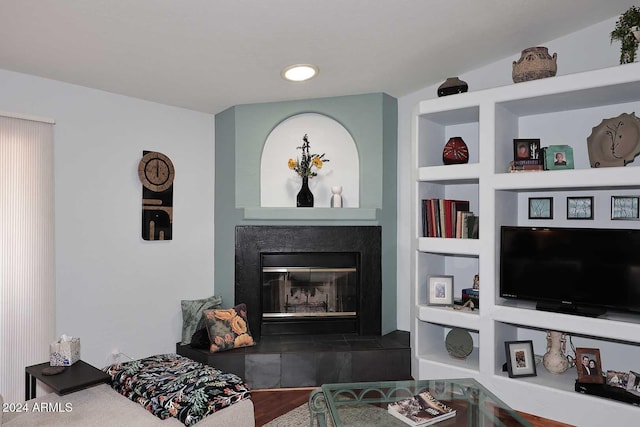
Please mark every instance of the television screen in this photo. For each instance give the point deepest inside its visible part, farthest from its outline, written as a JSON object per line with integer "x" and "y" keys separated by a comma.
{"x": 571, "y": 269}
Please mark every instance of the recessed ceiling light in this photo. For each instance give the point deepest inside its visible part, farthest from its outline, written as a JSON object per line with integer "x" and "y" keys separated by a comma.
{"x": 299, "y": 72}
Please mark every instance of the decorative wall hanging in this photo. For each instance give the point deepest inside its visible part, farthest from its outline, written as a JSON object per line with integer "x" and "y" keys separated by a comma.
{"x": 615, "y": 141}
{"x": 156, "y": 172}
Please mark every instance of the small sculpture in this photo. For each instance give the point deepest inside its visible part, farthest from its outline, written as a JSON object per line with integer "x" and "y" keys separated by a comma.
{"x": 336, "y": 199}
{"x": 476, "y": 282}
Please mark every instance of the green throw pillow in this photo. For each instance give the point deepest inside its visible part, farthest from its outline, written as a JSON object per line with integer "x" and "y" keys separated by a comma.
{"x": 192, "y": 319}
{"x": 228, "y": 328}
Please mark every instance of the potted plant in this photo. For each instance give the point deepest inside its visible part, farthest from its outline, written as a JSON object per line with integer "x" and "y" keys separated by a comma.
{"x": 627, "y": 31}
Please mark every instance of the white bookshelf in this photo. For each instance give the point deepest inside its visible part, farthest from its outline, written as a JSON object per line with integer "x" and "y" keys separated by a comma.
{"x": 560, "y": 111}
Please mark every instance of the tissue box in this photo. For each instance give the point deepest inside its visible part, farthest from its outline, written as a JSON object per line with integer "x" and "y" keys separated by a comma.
{"x": 64, "y": 352}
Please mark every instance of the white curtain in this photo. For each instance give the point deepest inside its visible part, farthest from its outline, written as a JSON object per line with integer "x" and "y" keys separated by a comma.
{"x": 27, "y": 275}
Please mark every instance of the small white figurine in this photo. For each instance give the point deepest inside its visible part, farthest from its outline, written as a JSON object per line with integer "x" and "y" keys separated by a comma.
{"x": 336, "y": 199}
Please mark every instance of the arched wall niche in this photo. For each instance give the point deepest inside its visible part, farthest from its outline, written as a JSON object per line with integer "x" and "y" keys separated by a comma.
{"x": 279, "y": 185}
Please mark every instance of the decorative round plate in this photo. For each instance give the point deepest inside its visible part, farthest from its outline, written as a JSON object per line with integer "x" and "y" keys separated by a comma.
{"x": 615, "y": 141}
{"x": 455, "y": 151}
{"x": 459, "y": 343}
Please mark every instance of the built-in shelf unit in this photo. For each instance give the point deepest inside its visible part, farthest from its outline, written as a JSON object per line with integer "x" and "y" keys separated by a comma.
{"x": 560, "y": 110}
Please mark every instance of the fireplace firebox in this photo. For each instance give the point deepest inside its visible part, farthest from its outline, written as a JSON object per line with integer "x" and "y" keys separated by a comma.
{"x": 309, "y": 292}
{"x": 309, "y": 279}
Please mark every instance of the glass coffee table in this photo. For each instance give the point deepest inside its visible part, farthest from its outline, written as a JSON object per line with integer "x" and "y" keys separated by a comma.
{"x": 365, "y": 404}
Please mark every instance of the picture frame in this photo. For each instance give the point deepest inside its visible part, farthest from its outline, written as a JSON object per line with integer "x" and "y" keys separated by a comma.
{"x": 589, "y": 365}
{"x": 558, "y": 157}
{"x": 617, "y": 379}
{"x": 540, "y": 207}
{"x": 625, "y": 207}
{"x": 440, "y": 290}
{"x": 580, "y": 207}
{"x": 633, "y": 383}
{"x": 521, "y": 361}
{"x": 526, "y": 149}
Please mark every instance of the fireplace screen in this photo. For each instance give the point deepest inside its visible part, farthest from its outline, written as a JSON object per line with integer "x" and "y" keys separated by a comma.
{"x": 314, "y": 290}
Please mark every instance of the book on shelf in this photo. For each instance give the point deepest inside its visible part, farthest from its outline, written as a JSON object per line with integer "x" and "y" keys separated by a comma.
{"x": 421, "y": 410}
{"x": 443, "y": 217}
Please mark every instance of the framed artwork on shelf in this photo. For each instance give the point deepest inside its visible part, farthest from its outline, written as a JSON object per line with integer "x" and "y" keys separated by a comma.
{"x": 440, "y": 290}
{"x": 558, "y": 157}
{"x": 580, "y": 207}
{"x": 624, "y": 207}
{"x": 540, "y": 207}
{"x": 589, "y": 365}
{"x": 526, "y": 149}
{"x": 520, "y": 359}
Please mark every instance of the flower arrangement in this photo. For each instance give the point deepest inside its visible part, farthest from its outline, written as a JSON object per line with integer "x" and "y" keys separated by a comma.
{"x": 304, "y": 166}
{"x": 624, "y": 32}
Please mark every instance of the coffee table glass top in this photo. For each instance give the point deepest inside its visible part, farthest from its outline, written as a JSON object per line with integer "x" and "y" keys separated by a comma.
{"x": 365, "y": 404}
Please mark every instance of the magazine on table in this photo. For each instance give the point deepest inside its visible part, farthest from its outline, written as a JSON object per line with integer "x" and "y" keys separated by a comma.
{"x": 421, "y": 410}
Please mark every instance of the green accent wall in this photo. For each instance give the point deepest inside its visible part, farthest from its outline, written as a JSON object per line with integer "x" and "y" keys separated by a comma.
{"x": 241, "y": 132}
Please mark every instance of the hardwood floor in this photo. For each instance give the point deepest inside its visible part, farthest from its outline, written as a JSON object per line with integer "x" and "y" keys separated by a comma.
{"x": 270, "y": 404}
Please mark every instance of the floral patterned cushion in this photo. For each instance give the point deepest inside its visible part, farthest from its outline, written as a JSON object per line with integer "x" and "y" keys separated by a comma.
{"x": 169, "y": 385}
{"x": 192, "y": 315}
{"x": 228, "y": 328}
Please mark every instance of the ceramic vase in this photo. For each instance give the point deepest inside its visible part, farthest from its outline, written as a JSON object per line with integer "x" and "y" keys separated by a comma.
{"x": 452, "y": 86}
{"x": 455, "y": 151}
{"x": 554, "y": 359}
{"x": 304, "y": 199}
{"x": 534, "y": 63}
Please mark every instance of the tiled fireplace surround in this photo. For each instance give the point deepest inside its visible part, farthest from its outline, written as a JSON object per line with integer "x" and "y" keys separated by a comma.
{"x": 287, "y": 360}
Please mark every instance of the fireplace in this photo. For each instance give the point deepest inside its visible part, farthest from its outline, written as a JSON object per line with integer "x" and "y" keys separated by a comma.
{"x": 309, "y": 279}
{"x": 309, "y": 293}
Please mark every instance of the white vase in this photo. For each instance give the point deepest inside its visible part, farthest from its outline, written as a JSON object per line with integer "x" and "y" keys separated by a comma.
{"x": 554, "y": 359}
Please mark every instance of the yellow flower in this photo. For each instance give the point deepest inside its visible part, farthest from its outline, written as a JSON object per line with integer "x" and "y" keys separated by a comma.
{"x": 292, "y": 164}
{"x": 317, "y": 162}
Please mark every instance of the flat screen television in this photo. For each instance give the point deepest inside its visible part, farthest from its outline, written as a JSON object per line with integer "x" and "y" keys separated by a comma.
{"x": 584, "y": 271}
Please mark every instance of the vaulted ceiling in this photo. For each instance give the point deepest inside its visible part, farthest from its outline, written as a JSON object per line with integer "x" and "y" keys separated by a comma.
{"x": 207, "y": 55}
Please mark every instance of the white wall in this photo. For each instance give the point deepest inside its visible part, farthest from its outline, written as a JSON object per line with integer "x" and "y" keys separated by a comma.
{"x": 115, "y": 290}
{"x": 588, "y": 49}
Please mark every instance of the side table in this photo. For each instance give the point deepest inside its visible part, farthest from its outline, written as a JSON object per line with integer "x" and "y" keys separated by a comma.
{"x": 75, "y": 377}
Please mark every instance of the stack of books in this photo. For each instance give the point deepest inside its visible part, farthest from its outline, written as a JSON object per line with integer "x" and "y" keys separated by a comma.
{"x": 448, "y": 218}
{"x": 421, "y": 410}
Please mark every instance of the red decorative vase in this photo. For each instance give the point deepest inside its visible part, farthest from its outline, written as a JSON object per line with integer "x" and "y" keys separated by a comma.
{"x": 455, "y": 151}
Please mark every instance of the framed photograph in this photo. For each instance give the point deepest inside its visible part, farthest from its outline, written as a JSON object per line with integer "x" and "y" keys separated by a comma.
{"x": 633, "y": 383}
{"x": 579, "y": 207}
{"x": 558, "y": 157}
{"x": 624, "y": 207}
{"x": 520, "y": 359}
{"x": 540, "y": 207}
{"x": 617, "y": 379}
{"x": 526, "y": 149}
{"x": 440, "y": 290}
{"x": 589, "y": 365}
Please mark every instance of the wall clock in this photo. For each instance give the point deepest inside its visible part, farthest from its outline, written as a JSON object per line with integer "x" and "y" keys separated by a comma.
{"x": 156, "y": 173}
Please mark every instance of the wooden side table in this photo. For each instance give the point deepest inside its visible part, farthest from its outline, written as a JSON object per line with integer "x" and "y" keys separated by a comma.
{"x": 76, "y": 377}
